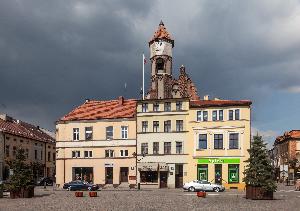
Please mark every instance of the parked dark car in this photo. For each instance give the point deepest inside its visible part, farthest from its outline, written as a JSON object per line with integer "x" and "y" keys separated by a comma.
{"x": 42, "y": 181}
{"x": 80, "y": 185}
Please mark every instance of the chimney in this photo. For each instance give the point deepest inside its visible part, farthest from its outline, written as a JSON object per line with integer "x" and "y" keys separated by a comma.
{"x": 121, "y": 100}
{"x": 87, "y": 100}
{"x": 38, "y": 127}
{"x": 206, "y": 97}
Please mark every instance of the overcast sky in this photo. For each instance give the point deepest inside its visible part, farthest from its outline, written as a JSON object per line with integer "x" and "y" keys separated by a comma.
{"x": 55, "y": 54}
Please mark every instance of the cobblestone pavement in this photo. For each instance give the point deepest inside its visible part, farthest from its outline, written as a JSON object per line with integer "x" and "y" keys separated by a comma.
{"x": 286, "y": 199}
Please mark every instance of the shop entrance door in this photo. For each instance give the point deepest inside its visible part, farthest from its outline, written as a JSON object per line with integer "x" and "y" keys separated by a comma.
{"x": 124, "y": 174}
{"x": 233, "y": 173}
{"x": 163, "y": 179}
{"x": 202, "y": 172}
{"x": 109, "y": 172}
{"x": 178, "y": 176}
{"x": 218, "y": 174}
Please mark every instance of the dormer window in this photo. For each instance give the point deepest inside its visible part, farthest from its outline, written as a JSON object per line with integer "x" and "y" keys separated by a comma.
{"x": 160, "y": 65}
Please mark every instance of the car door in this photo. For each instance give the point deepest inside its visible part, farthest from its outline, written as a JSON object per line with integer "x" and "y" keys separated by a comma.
{"x": 199, "y": 185}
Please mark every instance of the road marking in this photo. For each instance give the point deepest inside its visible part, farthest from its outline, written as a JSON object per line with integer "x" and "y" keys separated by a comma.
{"x": 213, "y": 194}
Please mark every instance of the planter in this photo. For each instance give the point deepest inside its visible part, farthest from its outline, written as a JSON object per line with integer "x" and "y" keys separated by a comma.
{"x": 23, "y": 193}
{"x": 258, "y": 193}
{"x": 79, "y": 194}
{"x": 201, "y": 194}
{"x": 93, "y": 194}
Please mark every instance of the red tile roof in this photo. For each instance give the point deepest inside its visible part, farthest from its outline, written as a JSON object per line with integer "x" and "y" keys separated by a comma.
{"x": 293, "y": 134}
{"x": 161, "y": 33}
{"x": 98, "y": 109}
{"x": 23, "y": 129}
{"x": 218, "y": 103}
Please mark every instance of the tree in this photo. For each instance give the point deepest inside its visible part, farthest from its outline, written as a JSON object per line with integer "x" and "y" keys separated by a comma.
{"x": 259, "y": 171}
{"x": 22, "y": 174}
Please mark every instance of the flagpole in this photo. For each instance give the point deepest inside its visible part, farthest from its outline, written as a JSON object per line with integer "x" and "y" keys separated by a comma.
{"x": 143, "y": 77}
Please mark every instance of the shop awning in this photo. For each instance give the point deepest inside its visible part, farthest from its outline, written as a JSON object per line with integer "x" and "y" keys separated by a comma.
{"x": 147, "y": 166}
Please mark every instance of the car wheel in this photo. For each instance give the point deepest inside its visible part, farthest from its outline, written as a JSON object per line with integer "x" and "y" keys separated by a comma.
{"x": 192, "y": 189}
{"x": 217, "y": 189}
{"x": 89, "y": 188}
{"x": 69, "y": 188}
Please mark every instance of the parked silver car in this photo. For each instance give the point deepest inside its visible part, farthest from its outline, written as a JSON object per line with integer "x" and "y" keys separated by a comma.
{"x": 202, "y": 185}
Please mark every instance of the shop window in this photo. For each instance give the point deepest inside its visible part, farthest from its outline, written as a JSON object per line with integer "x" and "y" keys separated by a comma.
{"x": 202, "y": 172}
{"x": 144, "y": 126}
{"x": 156, "y": 148}
{"x": 202, "y": 141}
{"x": 144, "y": 148}
{"x": 179, "y": 125}
{"x": 167, "y": 148}
{"x": 167, "y": 126}
{"x": 167, "y": 106}
{"x": 149, "y": 176}
{"x": 156, "y": 107}
{"x": 218, "y": 141}
{"x": 109, "y": 132}
{"x": 124, "y": 130}
{"x": 75, "y": 134}
{"x": 155, "y": 126}
{"x": 233, "y": 141}
{"x": 88, "y": 133}
{"x": 233, "y": 173}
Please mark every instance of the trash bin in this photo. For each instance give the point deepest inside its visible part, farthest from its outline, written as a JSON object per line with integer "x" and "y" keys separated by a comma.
{"x": 1, "y": 189}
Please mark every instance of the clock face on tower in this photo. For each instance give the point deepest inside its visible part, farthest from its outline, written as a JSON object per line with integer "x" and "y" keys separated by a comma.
{"x": 159, "y": 48}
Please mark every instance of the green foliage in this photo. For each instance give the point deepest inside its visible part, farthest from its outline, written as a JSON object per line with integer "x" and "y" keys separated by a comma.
{"x": 259, "y": 171}
{"x": 22, "y": 174}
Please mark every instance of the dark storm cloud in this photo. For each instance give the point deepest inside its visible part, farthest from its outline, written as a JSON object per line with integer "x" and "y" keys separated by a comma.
{"x": 54, "y": 54}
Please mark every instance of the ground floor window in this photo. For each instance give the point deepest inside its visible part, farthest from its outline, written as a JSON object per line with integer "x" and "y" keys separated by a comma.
{"x": 149, "y": 176}
{"x": 202, "y": 172}
{"x": 233, "y": 173}
{"x": 83, "y": 173}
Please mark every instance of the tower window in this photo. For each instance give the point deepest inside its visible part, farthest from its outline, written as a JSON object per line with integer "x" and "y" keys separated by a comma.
{"x": 160, "y": 65}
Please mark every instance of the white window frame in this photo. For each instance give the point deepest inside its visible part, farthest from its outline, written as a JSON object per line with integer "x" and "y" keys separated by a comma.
{"x": 76, "y": 133}
{"x": 89, "y": 154}
{"x": 111, "y": 153}
{"x": 123, "y": 153}
{"x": 76, "y": 153}
{"x": 124, "y": 131}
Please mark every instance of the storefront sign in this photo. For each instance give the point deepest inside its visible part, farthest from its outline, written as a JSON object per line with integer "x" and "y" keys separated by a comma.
{"x": 219, "y": 160}
{"x": 132, "y": 177}
{"x": 108, "y": 165}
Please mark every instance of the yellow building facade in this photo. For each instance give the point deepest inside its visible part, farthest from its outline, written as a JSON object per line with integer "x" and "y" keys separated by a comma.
{"x": 96, "y": 142}
{"x": 219, "y": 137}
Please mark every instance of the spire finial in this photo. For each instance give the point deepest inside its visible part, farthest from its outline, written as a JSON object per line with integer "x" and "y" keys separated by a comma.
{"x": 161, "y": 23}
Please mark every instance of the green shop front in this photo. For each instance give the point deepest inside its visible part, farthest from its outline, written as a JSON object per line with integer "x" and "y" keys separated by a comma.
{"x": 225, "y": 171}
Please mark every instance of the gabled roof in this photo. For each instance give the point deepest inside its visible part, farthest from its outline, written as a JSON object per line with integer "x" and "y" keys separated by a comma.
{"x": 162, "y": 33}
{"x": 218, "y": 103}
{"x": 23, "y": 129}
{"x": 293, "y": 134}
{"x": 103, "y": 109}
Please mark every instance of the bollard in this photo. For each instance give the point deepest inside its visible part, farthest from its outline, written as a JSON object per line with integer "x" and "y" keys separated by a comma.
{"x": 1, "y": 189}
{"x": 139, "y": 186}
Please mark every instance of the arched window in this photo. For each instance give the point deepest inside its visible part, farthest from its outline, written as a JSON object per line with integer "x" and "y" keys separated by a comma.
{"x": 160, "y": 65}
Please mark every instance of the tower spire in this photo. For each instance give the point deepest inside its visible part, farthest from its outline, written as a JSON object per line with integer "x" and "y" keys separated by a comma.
{"x": 161, "y": 23}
